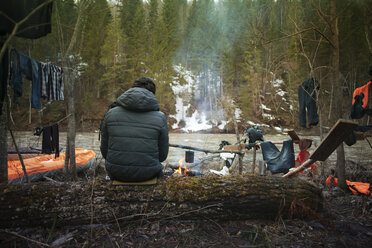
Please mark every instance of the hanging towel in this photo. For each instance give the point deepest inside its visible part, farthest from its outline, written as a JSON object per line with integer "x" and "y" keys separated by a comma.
{"x": 278, "y": 161}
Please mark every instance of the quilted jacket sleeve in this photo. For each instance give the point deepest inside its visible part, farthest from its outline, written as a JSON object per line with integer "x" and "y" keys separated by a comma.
{"x": 163, "y": 141}
{"x": 104, "y": 137}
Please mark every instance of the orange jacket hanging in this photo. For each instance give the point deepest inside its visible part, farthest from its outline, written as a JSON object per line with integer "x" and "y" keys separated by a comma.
{"x": 363, "y": 89}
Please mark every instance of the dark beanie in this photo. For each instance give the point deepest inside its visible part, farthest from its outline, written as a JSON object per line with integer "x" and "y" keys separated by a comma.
{"x": 145, "y": 82}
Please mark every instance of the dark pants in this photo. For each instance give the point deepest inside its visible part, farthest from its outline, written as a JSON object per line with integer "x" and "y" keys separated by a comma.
{"x": 307, "y": 104}
{"x": 50, "y": 141}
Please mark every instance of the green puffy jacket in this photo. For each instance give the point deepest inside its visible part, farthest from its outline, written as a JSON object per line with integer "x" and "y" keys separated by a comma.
{"x": 134, "y": 137}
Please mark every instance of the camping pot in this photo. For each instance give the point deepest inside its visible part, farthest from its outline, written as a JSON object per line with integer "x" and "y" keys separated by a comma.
{"x": 189, "y": 157}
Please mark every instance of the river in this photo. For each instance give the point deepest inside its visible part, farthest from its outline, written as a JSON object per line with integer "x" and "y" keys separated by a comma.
{"x": 360, "y": 152}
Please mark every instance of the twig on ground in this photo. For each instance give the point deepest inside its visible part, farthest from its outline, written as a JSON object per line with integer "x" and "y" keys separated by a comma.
{"x": 368, "y": 142}
{"x": 91, "y": 207}
{"x": 116, "y": 220}
{"x": 108, "y": 234}
{"x": 147, "y": 204}
{"x": 191, "y": 211}
{"x": 52, "y": 180}
{"x": 63, "y": 239}
{"x": 28, "y": 239}
{"x": 223, "y": 230}
{"x": 170, "y": 217}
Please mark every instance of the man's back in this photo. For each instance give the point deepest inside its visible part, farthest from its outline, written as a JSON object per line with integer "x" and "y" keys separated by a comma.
{"x": 134, "y": 137}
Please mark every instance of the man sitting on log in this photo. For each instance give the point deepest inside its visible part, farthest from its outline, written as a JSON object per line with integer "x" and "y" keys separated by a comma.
{"x": 135, "y": 135}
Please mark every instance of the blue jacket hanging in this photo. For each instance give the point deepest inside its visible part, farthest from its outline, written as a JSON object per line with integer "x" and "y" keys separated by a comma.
{"x": 24, "y": 66}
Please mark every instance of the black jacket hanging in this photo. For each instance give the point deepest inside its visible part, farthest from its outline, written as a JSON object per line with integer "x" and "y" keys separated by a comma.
{"x": 307, "y": 103}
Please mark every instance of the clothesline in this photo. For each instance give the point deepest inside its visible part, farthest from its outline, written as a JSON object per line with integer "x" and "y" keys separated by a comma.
{"x": 39, "y": 130}
{"x": 62, "y": 119}
{"x": 47, "y": 79}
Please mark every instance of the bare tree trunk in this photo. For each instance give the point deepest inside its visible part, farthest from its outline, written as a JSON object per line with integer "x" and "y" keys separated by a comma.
{"x": 70, "y": 85}
{"x": 4, "y": 144}
{"x": 4, "y": 132}
{"x": 67, "y": 158}
{"x": 240, "y": 156}
{"x": 340, "y": 164}
{"x": 69, "y": 79}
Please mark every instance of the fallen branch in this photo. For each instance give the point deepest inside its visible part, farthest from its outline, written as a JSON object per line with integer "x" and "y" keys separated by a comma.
{"x": 189, "y": 198}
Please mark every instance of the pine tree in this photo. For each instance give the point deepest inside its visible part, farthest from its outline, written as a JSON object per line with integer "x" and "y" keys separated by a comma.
{"x": 113, "y": 59}
{"x": 97, "y": 18}
{"x": 133, "y": 23}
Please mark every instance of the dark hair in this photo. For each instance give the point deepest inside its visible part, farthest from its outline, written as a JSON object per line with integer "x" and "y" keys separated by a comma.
{"x": 145, "y": 82}
{"x": 370, "y": 70}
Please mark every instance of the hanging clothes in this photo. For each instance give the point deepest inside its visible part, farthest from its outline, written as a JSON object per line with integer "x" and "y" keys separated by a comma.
{"x": 278, "y": 161}
{"x": 3, "y": 77}
{"x": 24, "y": 66}
{"x": 303, "y": 154}
{"x": 307, "y": 103}
{"x": 35, "y": 26}
{"x": 47, "y": 79}
{"x": 51, "y": 82}
{"x": 50, "y": 141}
{"x": 360, "y": 101}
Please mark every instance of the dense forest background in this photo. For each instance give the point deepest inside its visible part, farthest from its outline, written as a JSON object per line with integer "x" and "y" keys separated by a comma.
{"x": 252, "y": 53}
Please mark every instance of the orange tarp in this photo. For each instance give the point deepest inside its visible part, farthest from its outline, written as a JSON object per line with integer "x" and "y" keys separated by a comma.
{"x": 45, "y": 163}
{"x": 355, "y": 187}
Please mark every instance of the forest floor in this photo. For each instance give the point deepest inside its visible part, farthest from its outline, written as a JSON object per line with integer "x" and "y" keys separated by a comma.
{"x": 344, "y": 221}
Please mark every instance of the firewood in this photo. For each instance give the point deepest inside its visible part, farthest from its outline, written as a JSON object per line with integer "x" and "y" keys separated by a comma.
{"x": 215, "y": 197}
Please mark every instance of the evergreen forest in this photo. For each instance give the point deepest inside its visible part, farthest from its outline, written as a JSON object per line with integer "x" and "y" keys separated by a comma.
{"x": 253, "y": 54}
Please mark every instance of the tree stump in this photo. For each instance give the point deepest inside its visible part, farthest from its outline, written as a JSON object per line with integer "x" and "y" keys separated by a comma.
{"x": 214, "y": 197}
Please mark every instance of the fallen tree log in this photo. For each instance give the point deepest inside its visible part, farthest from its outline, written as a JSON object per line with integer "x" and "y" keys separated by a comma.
{"x": 218, "y": 198}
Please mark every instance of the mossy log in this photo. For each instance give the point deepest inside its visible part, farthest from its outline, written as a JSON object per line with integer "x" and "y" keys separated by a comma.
{"x": 212, "y": 197}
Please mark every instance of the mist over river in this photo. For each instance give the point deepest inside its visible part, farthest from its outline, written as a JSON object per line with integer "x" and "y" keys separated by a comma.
{"x": 361, "y": 152}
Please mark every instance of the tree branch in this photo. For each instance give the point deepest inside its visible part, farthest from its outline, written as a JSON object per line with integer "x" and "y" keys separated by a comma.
{"x": 290, "y": 35}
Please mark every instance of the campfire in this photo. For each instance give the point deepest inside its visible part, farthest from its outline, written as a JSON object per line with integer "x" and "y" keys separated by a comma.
{"x": 184, "y": 170}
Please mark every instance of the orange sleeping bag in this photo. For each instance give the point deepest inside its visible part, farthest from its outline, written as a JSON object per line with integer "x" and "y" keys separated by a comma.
{"x": 47, "y": 163}
{"x": 355, "y": 187}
